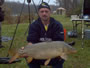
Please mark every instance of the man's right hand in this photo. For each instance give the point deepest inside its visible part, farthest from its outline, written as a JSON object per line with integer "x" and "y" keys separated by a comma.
{"x": 22, "y": 48}
{"x": 30, "y": 43}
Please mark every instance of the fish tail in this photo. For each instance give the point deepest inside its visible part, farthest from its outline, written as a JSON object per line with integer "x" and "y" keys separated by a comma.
{"x": 14, "y": 58}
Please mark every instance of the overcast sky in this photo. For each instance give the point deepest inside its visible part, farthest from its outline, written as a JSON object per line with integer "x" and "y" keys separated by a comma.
{"x": 36, "y": 1}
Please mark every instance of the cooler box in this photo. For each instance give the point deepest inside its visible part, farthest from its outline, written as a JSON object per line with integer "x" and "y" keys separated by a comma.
{"x": 87, "y": 33}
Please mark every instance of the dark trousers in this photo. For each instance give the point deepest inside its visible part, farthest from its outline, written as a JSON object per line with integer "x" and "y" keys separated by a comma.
{"x": 55, "y": 63}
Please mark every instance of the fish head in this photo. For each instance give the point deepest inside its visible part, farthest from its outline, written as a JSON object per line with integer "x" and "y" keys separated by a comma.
{"x": 66, "y": 51}
{"x": 69, "y": 50}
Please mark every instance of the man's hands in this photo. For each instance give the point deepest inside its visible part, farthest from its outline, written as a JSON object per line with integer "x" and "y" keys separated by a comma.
{"x": 30, "y": 43}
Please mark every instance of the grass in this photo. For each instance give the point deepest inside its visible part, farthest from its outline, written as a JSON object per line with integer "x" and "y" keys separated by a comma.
{"x": 79, "y": 60}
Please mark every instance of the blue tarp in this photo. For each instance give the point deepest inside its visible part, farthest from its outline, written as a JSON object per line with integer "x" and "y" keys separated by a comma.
{"x": 6, "y": 38}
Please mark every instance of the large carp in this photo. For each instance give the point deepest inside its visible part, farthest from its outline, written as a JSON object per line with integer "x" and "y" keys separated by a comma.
{"x": 45, "y": 50}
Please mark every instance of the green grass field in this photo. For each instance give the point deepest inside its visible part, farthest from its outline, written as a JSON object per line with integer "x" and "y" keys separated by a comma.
{"x": 79, "y": 60}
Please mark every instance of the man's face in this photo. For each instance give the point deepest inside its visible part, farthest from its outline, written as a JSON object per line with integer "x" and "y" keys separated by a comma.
{"x": 44, "y": 14}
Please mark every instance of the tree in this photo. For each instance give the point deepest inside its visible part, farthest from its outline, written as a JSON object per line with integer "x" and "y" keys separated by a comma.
{"x": 70, "y": 5}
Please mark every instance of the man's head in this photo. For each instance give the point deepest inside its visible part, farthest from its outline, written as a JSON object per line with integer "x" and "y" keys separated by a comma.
{"x": 44, "y": 11}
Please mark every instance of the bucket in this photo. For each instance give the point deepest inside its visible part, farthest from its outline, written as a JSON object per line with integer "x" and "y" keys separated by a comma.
{"x": 64, "y": 34}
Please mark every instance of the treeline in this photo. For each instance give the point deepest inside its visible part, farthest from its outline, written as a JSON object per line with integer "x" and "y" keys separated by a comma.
{"x": 71, "y": 6}
{"x": 15, "y": 7}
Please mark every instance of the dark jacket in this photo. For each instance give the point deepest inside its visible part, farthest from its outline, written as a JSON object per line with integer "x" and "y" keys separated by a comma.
{"x": 1, "y": 15}
{"x": 37, "y": 32}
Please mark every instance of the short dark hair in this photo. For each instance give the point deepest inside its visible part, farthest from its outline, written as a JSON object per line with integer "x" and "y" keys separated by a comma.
{"x": 44, "y": 5}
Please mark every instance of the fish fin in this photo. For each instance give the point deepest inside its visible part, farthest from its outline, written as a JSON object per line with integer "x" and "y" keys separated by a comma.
{"x": 47, "y": 62}
{"x": 64, "y": 56}
{"x": 14, "y": 58}
{"x": 29, "y": 59}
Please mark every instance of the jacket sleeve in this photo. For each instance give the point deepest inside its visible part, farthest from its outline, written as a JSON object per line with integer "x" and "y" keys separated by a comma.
{"x": 33, "y": 35}
{"x": 58, "y": 33}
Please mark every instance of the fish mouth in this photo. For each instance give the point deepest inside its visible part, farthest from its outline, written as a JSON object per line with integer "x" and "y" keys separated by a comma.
{"x": 74, "y": 51}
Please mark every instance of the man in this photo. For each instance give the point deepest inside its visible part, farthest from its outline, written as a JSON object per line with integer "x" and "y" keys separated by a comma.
{"x": 45, "y": 28}
{"x": 1, "y": 19}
